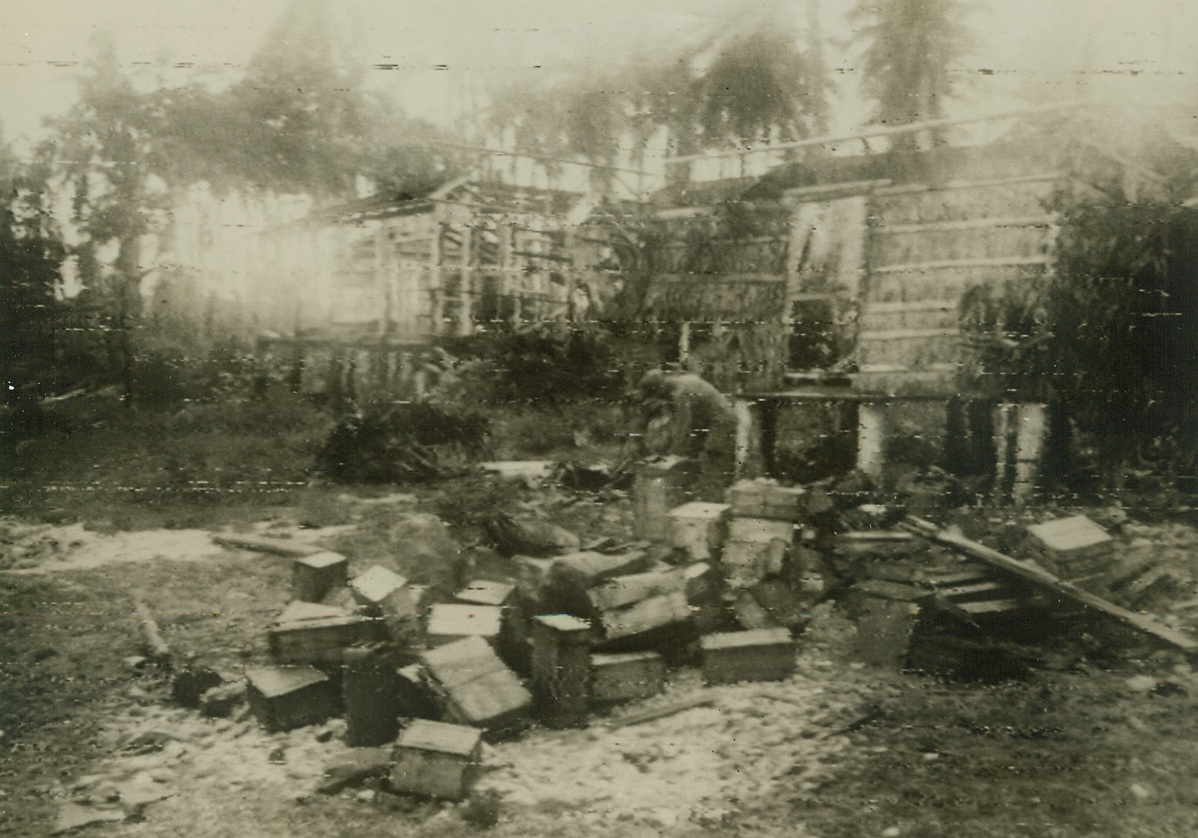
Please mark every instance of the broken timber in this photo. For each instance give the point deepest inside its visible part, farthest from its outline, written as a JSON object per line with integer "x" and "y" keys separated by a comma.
{"x": 1047, "y": 581}
{"x": 277, "y": 546}
{"x": 156, "y": 648}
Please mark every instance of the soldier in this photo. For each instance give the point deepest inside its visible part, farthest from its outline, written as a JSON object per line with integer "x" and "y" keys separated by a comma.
{"x": 679, "y": 413}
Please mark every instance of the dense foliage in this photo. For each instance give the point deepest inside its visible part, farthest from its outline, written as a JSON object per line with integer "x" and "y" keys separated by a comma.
{"x": 910, "y": 48}
{"x": 400, "y": 443}
{"x": 747, "y": 87}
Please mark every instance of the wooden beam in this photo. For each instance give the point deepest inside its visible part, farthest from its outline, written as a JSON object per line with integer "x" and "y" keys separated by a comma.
{"x": 909, "y": 334}
{"x": 1046, "y": 581}
{"x": 661, "y": 712}
{"x": 801, "y": 193}
{"x": 911, "y": 305}
{"x": 953, "y": 185}
{"x": 966, "y": 224}
{"x": 953, "y": 264}
{"x": 156, "y": 648}
{"x": 885, "y": 131}
{"x": 764, "y": 278}
{"x": 275, "y": 546}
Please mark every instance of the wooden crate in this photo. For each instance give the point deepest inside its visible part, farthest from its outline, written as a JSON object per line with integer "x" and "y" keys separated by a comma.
{"x": 703, "y": 587}
{"x": 700, "y": 529}
{"x": 486, "y": 592}
{"x": 746, "y": 563}
{"x": 450, "y": 622}
{"x": 435, "y": 759}
{"x": 623, "y": 591}
{"x": 761, "y": 655}
{"x": 382, "y": 592}
{"x": 314, "y": 576}
{"x": 761, "y": 530}
{"x": 627, "y": 677}
{"x": 370, "y": 689}
{"x": 561, "y": 663}
{"x": 645, "y": 616}
{"x": 286, "y": 697}
{"x": 660, "y": 485}
{"x": 310, "y": 633}
{"x": 766, "y": 499}
{"x": 387, "y": 596}
{"x": 1074, "y": 546}
{"x": 571, "y": 576}
{"x": 475, "y": 686}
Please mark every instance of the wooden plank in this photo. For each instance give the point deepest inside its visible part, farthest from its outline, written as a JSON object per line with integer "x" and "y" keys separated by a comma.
{"x": 966, "y": 224}
{"x": 953, "y": 264}
{"x": 800, "y": 193}
{"x": 156, "y": 647}
{"x": 909, "y": 334}
{"x": 1047, "y": 581}
{"x": 767, "y": 279}
{"x": 661, "y": 712}
{"x": 912, "y": 305}
{"x": 907, "y": 189}
{"x": 276, "y": 546}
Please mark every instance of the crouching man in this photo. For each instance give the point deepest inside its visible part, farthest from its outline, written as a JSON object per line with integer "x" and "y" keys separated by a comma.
{"x": 680, "y": 414}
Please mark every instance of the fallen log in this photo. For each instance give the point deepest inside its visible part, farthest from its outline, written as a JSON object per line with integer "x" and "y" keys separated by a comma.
{"x": 656, "y": 713}
{"x": 156, "y": 648}
{"x": 277, "y": 546}
{"x": 1043, "y": 579}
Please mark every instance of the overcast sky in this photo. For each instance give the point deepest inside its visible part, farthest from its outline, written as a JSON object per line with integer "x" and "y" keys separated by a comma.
{"x": 1021, "y": 44}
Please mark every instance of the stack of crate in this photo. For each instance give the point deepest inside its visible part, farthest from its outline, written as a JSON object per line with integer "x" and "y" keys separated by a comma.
{"x": 761, "y": 530}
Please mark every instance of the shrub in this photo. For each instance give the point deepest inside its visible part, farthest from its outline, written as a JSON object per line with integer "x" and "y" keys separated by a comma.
{"x": 399, "y": 443}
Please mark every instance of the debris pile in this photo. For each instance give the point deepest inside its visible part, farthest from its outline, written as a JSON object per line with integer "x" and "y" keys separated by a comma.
{"x": 719, "y": 593}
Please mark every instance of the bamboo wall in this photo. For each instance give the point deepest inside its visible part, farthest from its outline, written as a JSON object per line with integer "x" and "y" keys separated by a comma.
{"x": 928, "y": 246}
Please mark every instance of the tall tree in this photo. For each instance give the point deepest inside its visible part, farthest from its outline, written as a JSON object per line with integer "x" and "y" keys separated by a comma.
{"x": 752, "y": 87}
{"x": 30, "y": 255}
{"x": 910, "y": 48}
{"x": 103, "y": 154}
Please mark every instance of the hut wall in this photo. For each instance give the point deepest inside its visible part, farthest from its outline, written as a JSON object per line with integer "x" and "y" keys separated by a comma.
{"x": 929, "y": 246}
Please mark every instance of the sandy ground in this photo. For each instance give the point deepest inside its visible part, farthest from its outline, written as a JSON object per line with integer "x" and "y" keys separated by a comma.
{"x": 47, "y": 548}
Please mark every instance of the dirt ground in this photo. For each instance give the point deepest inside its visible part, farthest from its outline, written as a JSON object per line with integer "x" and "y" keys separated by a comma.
{"x": 1099, "y": 744}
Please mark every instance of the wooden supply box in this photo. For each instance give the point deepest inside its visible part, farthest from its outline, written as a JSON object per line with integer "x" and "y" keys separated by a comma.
{"x": 383, "y": 593}
{"x": 370, "y": 688}
{"x": 761, "y": 530}
{"x": 474, "y": 685}
{"x": 561, "y": 668}
{"x": 761, "y": 655}
{"x": 312, "y": 577}
{"x": 700, "y": 528}
{"x": 766, "y": 499}
{"x": 310, "y": 633}
{"x": 623, "y": 591}
{"x": 286, "y": 697}
{"x": 627, "y": 677}
{"x": 450, "y": 622}
{"x": 660, "y": 485}
{"x": 660, "y": 612}
{"x": 746, "y": 563}
{"x": 435, "y": 759}
{"x": 1073, "y": 547}
{"x": 513, "y": 628}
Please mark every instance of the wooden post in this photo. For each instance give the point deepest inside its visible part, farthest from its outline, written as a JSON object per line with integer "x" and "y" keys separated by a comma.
{"x": 465, "y": 324}
{"x": 1029, "y": 448}
{"x": 747, "y": 430}
{"x": 871, "y": 438}
{"x": 437, "y": 310}
{"x": 1005, "y": 415}
{"x": 382, "y": 281}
